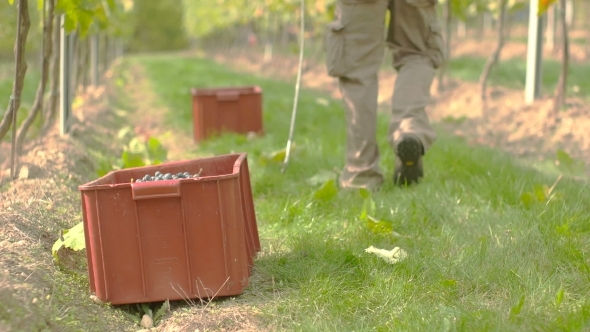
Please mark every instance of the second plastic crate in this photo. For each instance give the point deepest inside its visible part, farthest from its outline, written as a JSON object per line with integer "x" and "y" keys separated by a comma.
{"x": 227, "y": 109}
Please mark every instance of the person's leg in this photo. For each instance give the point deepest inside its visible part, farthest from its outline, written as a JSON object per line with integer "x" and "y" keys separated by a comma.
{"x": 355, "y": 48}
{"x": 415, "y": 36}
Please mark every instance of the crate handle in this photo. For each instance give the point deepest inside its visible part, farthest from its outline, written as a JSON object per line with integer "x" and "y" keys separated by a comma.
{"x": 155, "y": 189}
{"x": 227, "y": 95}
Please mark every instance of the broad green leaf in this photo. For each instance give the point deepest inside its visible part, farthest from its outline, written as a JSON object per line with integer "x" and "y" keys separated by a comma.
{"x": 72, "y": 238}
{"x": 132, "y": 159}
{"x": 328, "y": 191}
{"x": 11, "y": 2}
{"x": 379, "y": 226}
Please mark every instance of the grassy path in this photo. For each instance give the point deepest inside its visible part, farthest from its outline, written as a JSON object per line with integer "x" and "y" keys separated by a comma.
{"x": 492, "y": 245}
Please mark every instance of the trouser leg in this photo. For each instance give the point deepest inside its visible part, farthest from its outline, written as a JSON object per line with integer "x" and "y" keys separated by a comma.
{"x": 362, "y": 154}
{"x": 410, "y": 97}
{"x": 415, "y": 37}
{"x": 355, "y": 48}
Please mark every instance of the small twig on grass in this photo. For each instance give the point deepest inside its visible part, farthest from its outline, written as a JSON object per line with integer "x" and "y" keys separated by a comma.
{"x": 555, "y": 184}
{"x": 185, "y": 297}
{"x": 215, "y": 295}
{"x": 27, "y": 278}
{"x": 204, "y": 303}
{"x": 199, "y": 291}
{"x": 549, "y": 193}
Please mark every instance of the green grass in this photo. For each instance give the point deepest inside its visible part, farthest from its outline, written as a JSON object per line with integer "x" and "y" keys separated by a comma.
{"x": 481, "y": 235}
{"x": 512, "y": 74}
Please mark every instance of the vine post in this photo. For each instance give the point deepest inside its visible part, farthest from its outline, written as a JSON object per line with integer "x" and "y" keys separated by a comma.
{"x": 94, "y": 45}
{"x": 534, "y": 53}
{"x": 64, "y": 80}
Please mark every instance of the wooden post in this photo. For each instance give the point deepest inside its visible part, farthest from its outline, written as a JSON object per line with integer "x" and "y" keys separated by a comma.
{"x": 569, "y": 13}
{"x": 64, "y": 79}
{"x": 488, "y": 22}
{"x": 534, "y": 54}
{"x": 94, "y": 60}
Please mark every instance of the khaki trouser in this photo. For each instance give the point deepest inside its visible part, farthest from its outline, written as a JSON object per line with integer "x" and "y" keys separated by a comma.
{"x": 355, "y": 45}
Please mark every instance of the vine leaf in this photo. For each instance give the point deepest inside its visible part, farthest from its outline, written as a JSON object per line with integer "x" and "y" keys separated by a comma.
{"x": 72, "y": 238}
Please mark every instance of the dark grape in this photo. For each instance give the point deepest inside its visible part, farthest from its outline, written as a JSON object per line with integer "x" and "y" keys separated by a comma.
{"x": 158, "y": 176}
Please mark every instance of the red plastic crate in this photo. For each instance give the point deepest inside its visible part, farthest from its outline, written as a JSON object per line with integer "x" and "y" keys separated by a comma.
{"x": 233, "y": 109}
{"x": 171, "y": 239}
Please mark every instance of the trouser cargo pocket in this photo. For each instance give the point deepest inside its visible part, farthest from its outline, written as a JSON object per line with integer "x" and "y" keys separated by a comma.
{"x": 436, "y": 45}
{"x": 335, "y": 53}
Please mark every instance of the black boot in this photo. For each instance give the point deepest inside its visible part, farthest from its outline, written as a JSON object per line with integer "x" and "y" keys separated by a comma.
{"x": 408, "y": 163}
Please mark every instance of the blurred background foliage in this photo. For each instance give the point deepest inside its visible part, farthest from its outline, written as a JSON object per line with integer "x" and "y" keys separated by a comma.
{"x": 8, "y": 32}
{"x": 153, "y": 25}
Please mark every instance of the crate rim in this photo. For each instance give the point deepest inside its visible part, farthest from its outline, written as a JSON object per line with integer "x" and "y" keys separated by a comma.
{"x": 241, "y": 156}
{"x": 214, "y": 90}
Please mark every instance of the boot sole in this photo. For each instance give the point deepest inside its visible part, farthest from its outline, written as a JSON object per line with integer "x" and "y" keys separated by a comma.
{"x": 409, "y": 151}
